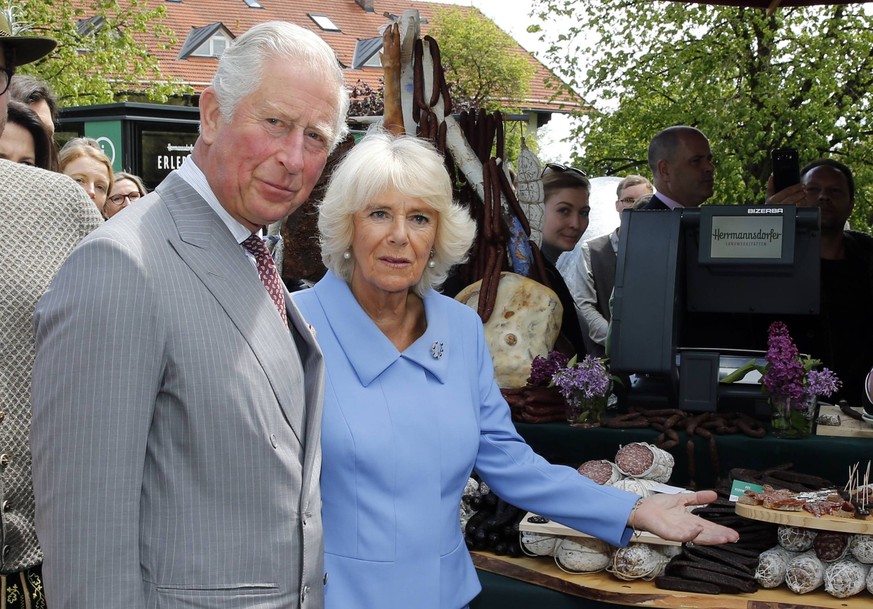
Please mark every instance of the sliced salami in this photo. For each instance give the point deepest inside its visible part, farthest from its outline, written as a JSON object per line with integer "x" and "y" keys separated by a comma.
{"x": 831, "y": 545}
{"x": 601, "y": 471}
{"x": 643, "y": 460}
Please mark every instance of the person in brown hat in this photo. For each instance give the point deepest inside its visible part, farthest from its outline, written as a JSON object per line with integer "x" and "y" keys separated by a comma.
{"x": 58, "y": 210}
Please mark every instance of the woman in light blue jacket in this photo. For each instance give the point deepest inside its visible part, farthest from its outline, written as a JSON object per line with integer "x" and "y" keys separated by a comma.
{"x": 411, "y": 406}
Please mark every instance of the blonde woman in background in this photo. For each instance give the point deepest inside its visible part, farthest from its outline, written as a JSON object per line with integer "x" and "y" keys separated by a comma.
{"x": 83, "y": 160}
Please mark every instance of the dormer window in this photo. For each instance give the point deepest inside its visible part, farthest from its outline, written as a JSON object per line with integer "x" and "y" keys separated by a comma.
{"x": 207, "y": 41}
{"x": 213, "y": 47}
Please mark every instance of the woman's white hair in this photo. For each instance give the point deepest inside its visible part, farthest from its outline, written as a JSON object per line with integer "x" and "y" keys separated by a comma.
{"x": 241, "y": 67}
{"x": 382, "y": 162}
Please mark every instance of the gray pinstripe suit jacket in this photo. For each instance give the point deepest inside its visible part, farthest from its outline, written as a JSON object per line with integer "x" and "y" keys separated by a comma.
{"x": 176, "y": 437}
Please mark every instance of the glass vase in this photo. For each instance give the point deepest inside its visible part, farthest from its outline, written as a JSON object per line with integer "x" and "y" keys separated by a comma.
{"x": 586, "y": 412}
{"x": 793, "y": 417}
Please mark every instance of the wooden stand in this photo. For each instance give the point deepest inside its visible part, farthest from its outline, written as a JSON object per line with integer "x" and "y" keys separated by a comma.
{"x": 806, "y": 520}
{"x": 603, "y": 587}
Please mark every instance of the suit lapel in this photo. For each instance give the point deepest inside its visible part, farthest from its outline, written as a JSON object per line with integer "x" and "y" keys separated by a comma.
{"x": 206, "y": 245}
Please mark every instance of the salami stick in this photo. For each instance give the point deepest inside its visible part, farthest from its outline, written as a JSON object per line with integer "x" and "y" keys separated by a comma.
{"x": 392, "y": 116}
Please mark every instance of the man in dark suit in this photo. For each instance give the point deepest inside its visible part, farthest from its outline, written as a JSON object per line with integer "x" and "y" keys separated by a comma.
{"x": 682, "y": 169}
{"x": 177, "y": 403}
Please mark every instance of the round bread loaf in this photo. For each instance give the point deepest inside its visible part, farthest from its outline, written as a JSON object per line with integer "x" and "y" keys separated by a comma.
{"x": 845, "y": 578}
{"x": 582, "y": 554}
{"x": 796, "y": 539}
{"x": 805, "y": 573}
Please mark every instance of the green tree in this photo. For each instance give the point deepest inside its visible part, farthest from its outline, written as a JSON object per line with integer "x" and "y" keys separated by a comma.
{"x": 800, "y": 77}
{"x": 97, "y": 38}
{"x": 483, "y": 63}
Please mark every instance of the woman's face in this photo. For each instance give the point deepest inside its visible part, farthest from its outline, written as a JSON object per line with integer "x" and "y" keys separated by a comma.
{"x": 123, "y": 193}
{"x": 91, "y": 175}
{"x": 16, "y": 145}
{"x": 566, "y": 218}
{"x": 393, "y": 237}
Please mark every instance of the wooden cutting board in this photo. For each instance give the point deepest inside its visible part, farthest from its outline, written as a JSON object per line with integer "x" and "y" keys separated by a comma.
{"x": 806, "y": 520}
{"x": 848, "y": 427}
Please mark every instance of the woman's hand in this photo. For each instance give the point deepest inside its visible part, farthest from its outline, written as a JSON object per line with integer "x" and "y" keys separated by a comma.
{"x": 667, "y": 517}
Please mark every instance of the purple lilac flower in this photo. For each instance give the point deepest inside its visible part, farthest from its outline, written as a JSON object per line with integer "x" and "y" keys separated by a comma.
{"x": 542, "y": 369}
{"x": 822, "y": 382}
{"x": 784, "y": 375}
{"x": 587, "y": 379}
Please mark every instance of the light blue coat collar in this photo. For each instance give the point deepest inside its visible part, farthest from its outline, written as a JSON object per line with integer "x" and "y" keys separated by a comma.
{"x": 369, "y": 351}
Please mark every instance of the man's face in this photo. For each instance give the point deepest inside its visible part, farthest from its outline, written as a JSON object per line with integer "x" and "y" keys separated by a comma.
{"x": 828, "y": 189}
{"x": 264, "y": 162}
{"x": 628, "y": 196}
{"x": 688, "y": 177}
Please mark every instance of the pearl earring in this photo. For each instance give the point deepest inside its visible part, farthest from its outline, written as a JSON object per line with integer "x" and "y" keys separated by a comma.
{"x": 431, "y": 263}
{"x": 347, "y": 255}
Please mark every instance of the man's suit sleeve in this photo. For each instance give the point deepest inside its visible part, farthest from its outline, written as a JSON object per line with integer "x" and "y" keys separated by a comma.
{"x": 98, "y": 367}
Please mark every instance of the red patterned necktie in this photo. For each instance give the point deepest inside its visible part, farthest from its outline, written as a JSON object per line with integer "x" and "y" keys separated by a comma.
{"x": 267, "y": 271}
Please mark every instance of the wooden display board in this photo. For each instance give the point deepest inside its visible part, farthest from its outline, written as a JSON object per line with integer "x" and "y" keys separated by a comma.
{"x": 848, "y": 427}
{"x": 806, "y": 520}
{"x": 603, "y": 587}
{"x": 554, "y": 528}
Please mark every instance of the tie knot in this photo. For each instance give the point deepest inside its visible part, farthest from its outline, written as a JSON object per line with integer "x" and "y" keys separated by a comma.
{"x": 256, "y": 246}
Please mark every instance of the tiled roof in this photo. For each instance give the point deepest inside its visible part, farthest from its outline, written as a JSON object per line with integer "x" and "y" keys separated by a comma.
{"x": 355, "y": 25}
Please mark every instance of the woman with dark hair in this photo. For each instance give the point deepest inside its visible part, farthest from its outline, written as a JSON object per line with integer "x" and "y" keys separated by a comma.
{"x": 25, "y": 139}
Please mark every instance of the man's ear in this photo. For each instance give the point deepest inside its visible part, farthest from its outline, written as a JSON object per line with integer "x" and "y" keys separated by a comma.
{"x": 210, "y": 115}
{"x": 663, "y": 168}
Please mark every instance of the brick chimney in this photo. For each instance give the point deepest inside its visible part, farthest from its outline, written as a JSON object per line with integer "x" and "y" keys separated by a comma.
{"x": 367, "y": 5}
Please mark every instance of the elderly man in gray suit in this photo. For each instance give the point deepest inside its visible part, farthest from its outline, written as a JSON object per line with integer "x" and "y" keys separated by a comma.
{"x": 177, "y": 401}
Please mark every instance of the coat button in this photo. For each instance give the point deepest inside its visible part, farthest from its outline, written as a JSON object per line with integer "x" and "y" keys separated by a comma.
{"x": 303, "y": 593}
{"x": 274, "y": 441}
{"x": 6, "y": 550}
{"x": 2, "y": 415}
{"x": 5, "y": 459}
{"x": 325, "y": 579}
{"x": 4, "y": 506}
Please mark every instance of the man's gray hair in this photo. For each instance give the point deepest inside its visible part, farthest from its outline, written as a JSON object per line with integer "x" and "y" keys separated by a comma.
{"x": 241, "y": 67}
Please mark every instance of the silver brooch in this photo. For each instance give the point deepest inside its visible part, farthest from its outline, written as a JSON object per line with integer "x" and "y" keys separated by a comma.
{"x": 436, "y": 349}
